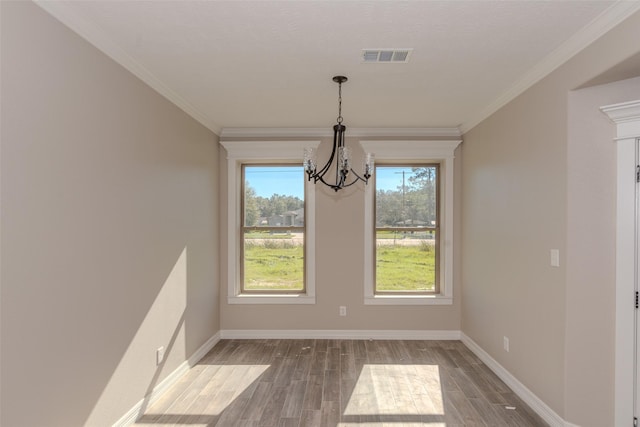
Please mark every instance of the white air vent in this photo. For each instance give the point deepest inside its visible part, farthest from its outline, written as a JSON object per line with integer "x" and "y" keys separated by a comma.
{"x": 386, "y": 55}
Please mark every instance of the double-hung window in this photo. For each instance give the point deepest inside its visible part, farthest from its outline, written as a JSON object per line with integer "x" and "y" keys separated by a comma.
{"x": 407, "y": 229}
{"x": 270, "y": 217}
{"x": 272, "y": 255}
{"x": 409, "y": 223}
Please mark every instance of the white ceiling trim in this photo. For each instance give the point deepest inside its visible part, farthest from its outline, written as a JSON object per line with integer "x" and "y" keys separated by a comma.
{"x": 327, "y": 132}
{"x": 100, "y": 40}
{"x": 607, "y": 20}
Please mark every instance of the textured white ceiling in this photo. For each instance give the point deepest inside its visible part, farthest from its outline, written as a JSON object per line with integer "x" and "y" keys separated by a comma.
{"x": 270, "y": 63}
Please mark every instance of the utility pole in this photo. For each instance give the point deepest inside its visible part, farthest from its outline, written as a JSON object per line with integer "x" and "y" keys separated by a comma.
{"x": 403, "y": 190}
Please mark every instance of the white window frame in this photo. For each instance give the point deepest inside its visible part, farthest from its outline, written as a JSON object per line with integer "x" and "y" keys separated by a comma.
{"x": 258, "y": 152}
{"x": 412, "y": 152}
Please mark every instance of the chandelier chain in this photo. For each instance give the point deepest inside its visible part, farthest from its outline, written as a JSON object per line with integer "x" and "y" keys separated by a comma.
{"x": 340, "y": 103}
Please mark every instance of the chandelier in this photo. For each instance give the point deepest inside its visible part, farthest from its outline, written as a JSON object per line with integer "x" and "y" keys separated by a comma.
{"x": 340, "y": 153}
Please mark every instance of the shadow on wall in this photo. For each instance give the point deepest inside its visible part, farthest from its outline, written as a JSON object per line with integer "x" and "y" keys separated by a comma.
{"x": 163, "y": 325}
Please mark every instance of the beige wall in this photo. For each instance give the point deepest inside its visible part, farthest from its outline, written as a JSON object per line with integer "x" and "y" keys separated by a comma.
{"x": 111, "y": 206}
{"x": 591, "y": 232}
{"x": 527, "y": 189}
{"x": 339, "y": 274}
{"x": 109, "y": 229}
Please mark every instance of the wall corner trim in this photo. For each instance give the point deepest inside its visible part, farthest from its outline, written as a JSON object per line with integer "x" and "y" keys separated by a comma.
{"x": 534, "y": 402}
{"x": 138, "y": 409}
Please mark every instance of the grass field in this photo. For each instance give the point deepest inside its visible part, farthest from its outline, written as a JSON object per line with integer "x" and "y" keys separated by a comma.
{"x": 405, "y": 268}
{"x": 279, "y": 264}
{"x": 273, "y": 264}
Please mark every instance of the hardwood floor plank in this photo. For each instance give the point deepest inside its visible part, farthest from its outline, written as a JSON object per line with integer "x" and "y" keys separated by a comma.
{"x": 302, "y": 368}
{"x": 160, "y": 406}
{"x": 233, "y": 412}
{"x": 318, "y": 362}
{"x": 285, "y": 372}
{"x": 469, "y": 415}
{"x": 273, "y": 407}
{"x": 339, "y": 383}
{"x": 289, "y": 422}
{"x": 311, "y": 418}
{"x": 347, "y": 365}
{"x": 333, "y": 359}
{"x": 321, "y": 345}
{"x": 359, "y": 349}
{"x": 330, "y": 414}
{"x": 313, "y": 393}
{"x": 271, "y": 373}
{"x": 488, "y": 413}
{"x": 492, "y": 379}
{"x": 465, "y": 383}
{"x": 293, "y": 404}
{"x": 256, "y": 405}
{"x": 331, "y": 386}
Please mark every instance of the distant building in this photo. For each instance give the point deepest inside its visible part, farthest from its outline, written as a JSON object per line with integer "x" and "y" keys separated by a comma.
{"x": 287, "y": 219}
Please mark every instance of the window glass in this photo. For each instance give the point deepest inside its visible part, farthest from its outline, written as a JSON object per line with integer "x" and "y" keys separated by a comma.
{"x": 273, "y": 212}
{"x": 407, "y": 229}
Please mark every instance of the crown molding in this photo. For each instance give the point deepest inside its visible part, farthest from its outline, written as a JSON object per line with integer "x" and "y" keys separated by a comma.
{"x": 101, "y": 41}
{"x": 626, "y": 116}
{"x": 406, "y": 149}
{"x": 249, "y": 150}
{"x": 607, "y": 20}
{"x": 327, "y": 132}
{"x": 623, "y": 112}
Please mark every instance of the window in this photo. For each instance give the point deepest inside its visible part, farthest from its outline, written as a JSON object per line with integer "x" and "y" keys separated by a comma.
{"x": 270, "y": 217}
{"x": 273, "y": 229}
{"x": 407, "y": 229}
{"x": 409, "y": 223}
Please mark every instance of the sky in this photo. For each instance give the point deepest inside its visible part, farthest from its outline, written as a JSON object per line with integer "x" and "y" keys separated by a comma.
{"x": 287, "y": 180}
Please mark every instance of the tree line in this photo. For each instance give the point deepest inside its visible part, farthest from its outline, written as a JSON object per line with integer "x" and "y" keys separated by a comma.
{"x": 411, "y": 204}
{"x": 256, "y": 207}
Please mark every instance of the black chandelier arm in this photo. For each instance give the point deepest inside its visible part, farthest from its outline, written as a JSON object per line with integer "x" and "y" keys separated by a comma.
{"x": 338, "y": 141}
{"x": 327, "y": 165}
{"x": 332, "y": 186}
{"x": 364, "y": 179}
{"x": 337, "y": 186}
{"x": 341, "y": 182}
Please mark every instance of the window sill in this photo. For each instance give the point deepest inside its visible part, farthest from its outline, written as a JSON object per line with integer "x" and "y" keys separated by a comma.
{"x": 271, "y": 299}
{"x": 408, "y": 300}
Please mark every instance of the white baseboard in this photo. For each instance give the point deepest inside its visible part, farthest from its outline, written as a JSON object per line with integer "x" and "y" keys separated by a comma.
{"x": 134, "y": 413}
{"x": 338, "y": 334}
{"x": 534, "y": 402}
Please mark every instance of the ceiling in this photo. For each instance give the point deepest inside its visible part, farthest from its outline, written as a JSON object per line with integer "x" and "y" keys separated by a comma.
{"x": 269, "y": 64}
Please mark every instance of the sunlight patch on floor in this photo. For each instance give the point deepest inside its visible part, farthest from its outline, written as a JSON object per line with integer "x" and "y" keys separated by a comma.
{"x": 223, "y": 384}
{"x": 391, "y": 424}
{"x": 396, "y": 389}
{"x": 227, "y": 384}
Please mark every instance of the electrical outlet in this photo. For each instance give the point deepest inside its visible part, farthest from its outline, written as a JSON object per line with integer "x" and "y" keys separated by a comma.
{"x": 506, "y": 344}
{"x": 343, "y": 310}
{"x": 160, "y": 355}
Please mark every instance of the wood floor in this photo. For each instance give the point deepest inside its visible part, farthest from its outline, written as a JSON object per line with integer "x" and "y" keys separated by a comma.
{"x": 339, "y": 383}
